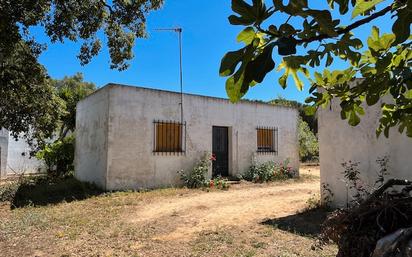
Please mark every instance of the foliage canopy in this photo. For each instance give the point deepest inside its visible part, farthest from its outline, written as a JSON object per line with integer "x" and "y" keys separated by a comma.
{"x": 28, "y": 104}
{"x": 385, "y": 65}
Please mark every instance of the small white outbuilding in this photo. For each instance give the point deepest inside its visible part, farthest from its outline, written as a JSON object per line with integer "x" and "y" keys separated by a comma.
{"x": 132, "y": 138}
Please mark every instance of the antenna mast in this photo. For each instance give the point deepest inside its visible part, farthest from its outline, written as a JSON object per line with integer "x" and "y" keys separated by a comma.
{"x": 179, "y": 31}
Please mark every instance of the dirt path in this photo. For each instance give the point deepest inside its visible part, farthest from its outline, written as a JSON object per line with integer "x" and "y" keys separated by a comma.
{"x": 238, "y": 206}
{"x": 171, "y": 222}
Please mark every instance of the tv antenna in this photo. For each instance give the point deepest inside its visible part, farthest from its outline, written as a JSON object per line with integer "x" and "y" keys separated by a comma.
{"x": 179, "y": 31}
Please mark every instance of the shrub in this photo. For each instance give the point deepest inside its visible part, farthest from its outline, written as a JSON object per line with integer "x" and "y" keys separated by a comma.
{"x": 59, "y": 156}
{"x": 9, "y": 190}
{"x": 196, "y": 178}
{"x": 308, "y": 143}
{"x": 268, "y": 171}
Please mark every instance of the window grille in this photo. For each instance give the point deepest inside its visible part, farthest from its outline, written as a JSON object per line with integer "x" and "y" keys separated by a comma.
{"x": 267, "y": 140}
{"x": 169, "y": 137}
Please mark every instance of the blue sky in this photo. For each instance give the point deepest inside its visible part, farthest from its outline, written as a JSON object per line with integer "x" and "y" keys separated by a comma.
{"x": 207, "y": 37}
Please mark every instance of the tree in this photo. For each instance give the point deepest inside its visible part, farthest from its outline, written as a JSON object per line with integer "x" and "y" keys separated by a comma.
{"x": 58, "y": 152}
{"x": 27, "y": 103}
{"x": 385, "y": 67}
{"x": 310, "y": 120}
{"x": 71, "y": 90}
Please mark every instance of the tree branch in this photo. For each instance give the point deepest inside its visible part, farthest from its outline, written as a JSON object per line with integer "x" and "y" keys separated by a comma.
{"x": 348, "y": 28}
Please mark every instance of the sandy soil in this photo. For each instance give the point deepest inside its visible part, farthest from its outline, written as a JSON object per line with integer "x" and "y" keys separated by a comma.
{"x": 177, "y": 222}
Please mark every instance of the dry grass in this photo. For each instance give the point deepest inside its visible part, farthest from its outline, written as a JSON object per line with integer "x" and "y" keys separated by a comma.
{"x": 168, "y": 222}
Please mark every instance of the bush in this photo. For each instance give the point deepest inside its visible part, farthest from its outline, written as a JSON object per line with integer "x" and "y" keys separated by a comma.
{"x": 308, "y": 143}
{"x": 59, "y": 156}
{"x": 196, "y": 178}
{"x": 9, "y": 189}
{"x": 268, "y": 171}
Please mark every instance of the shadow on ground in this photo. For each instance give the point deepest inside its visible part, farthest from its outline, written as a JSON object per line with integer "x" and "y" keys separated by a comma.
{"x": 307, "y": 223}
{"x": 49, "y": 190}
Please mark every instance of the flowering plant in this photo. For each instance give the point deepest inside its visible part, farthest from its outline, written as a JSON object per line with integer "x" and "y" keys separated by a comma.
{"x": 269, "y": 171}
{"x": 196, "y": 177}
{"x": 219, "y": 183}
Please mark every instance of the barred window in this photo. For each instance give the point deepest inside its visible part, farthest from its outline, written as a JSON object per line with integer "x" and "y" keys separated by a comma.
{"x": 168, "y": 137}
{"x": 267, "y": 140}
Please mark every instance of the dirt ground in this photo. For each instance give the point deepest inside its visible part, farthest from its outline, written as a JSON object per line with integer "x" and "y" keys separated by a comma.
{"x": 247, "y": 220}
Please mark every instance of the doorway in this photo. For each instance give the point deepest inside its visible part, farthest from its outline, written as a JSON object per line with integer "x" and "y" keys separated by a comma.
{"x": 220, "y": 148}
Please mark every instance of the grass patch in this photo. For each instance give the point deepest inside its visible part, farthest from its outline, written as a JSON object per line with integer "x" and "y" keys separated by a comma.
{"x": 45, "y": 190}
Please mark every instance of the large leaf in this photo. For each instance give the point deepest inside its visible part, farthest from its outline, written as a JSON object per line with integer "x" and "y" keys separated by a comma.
{"x": 363, "y": 6}
{"x": 230, "y": 61}
{"x": 286, "y": 46}
{"x": 247, "y": 35}
{"x": 235, "y": 86}
{"x": 242, "y": 8}
{"x": 353, "y": 118}
{"x": 380, "y": 43}
{"x": 257, "y": 69}
{"x": 292, "y": 65}
{"x": 343, "y": 5}
{"x": 295, "y": 7}
{"x": 402, "y": 26}
{"x": 235, "y": 20}
{"x": 324, "y": 20}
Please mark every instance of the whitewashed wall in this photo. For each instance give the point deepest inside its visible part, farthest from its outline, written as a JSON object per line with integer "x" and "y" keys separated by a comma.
{"x": 340, "y": 142}
{"x": 92, "y": 138}
{"x": 131, "y": 163}
{"x": 15, "y": 156}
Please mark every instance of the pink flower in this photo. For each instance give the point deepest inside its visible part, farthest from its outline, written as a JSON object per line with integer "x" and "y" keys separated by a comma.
{"x": 212, "y": 157}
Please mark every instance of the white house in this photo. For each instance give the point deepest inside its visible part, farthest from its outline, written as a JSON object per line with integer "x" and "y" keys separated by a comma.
{"x": 339, "y": 142}
{"x": 131, "y": 137}
{"x": 15, "y": 156}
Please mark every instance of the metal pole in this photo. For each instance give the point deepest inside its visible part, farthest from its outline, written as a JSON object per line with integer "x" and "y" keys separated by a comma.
{"x": 179, "y": 31}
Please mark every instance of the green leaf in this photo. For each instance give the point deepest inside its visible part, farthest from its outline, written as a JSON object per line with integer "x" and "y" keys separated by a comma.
{"x": 408, "y": 94}
{"x": 380, "y": 43}
{"x": 363, "y": 6}
{"x": 286, "y": 46}
{"x": 343, "y": 5}
{"x": 402, "y": 26}
{"x": 295, "y": 7}
{"x": 235, "y": 20}
{"x": 310, "y": 110}
{"x": 324, "y": 20}
{"x": 292, "y": 65}
{"x": 372, "y": 99}
{"x": 236, "y": 86}
{"x": 242, "y": 8}
{"x": 230, "y": 61}
{"x": 257, "y": 69}
{"x": 354, "y": 119}
{"x": 247, "y": 35}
